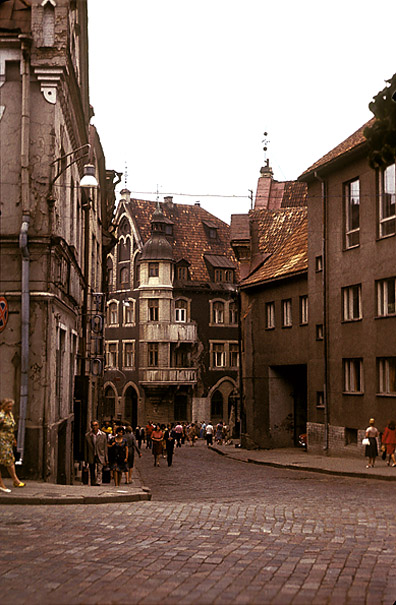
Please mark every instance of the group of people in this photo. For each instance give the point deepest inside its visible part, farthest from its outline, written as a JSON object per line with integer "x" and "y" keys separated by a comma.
{"x": 112, "y": 448}
{"x": 388, "y": 443}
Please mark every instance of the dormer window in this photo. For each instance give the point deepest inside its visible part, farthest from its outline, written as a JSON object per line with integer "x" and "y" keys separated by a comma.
{"x": 211, "y": 229}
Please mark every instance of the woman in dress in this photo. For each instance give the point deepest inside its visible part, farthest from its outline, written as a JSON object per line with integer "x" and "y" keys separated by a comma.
{"x": 119, "y": 456}
{"x": 389, "y": 441}
{"x": 157, "y": 437}
{"x": 7, "y": 441}
{"x": 371, "y": 450}
{"x": 132, "y": 446}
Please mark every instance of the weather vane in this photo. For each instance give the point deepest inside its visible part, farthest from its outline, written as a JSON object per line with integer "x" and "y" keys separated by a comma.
{"x": 126, "y": 176}
{"x": 266, "y": 143}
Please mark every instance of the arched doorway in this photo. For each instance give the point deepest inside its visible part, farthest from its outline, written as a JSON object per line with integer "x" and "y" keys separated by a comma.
{"x": 216, "y": 406}
{"x": 131, "y": 407}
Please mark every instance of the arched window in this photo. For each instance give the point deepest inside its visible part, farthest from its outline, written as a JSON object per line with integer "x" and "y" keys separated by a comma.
{"x": 216, "y": 406}
{"x": 233, "y": 313}
{"x": 113, "y": 314}
{"x": 109, "y": 266}
{"x": 218, "y": 312}
{"x": 181, "y": 310}
{"x": 124, "y": 249}
{"x": 124, "y": 277}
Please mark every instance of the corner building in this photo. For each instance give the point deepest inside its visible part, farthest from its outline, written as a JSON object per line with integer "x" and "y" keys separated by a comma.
{"x": 172, "y": 319}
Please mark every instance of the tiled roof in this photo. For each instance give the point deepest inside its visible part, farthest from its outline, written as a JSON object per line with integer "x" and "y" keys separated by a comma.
{"x": 283, "y": 235}
{"x": 352, "y": 142}
{"x": 190, "y": 239}
{"x": 275, "y": 194}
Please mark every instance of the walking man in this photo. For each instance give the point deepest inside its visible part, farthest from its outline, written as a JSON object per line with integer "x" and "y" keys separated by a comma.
{"x": 96, "y": 452}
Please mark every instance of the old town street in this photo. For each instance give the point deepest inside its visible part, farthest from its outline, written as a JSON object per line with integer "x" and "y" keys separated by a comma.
{"x": 216, "y": 531}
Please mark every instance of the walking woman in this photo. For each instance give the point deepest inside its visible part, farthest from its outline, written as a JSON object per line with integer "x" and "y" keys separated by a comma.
{"x": 119, "y": 455}
{"x": 7, "y": 441}
{"x": 157, "y": 437}
{"x": 389, "y": 440}
{"x": 132, "y": 446}
{"x": 371, "y": 450}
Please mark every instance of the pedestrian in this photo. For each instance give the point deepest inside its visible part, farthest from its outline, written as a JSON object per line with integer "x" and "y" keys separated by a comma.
{"x": 149, "y": 430}
{"x": 389, "y": 441}
{"x": 139, "y": 434}
{"x": 179, "y": 434}
{"x": 191, "y": 434}
{"x": 219, "y": 433}
{"x": 7, "y": 443}
{"x": 170, "y": 437}
{"x": 132, "y": 447}
{"x": 372, "y": 449}
{"x": 209, "y": 433}
{"x": 96, "y": 452}
{"x": 157, "y": 437}
{"x": 120, "y": 455}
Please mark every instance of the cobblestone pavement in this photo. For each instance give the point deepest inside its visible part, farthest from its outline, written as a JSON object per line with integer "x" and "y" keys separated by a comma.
{"x": 216, "y": 531}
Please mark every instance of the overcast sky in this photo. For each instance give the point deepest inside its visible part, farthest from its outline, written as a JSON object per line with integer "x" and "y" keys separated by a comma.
{"x": 183, "y": 91}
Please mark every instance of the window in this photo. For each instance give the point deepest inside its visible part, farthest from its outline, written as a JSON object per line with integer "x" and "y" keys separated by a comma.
{"x": 182, "y": 273}
{"x": 286, "y": 313}
{"x": 352, "y": 208}
{"x": 319, "y": 332}
{"x": 219, "y": 355}
{"x": 318, "y": 263}
{"x": 218, "y": 275}
{"x": 153, "y": 306}
{"x": 387, "y": 376}
{"x": 181, "y": 310}
{"x": 352, "y": 303}
{"x": 387, "y": 213}
{"x": 229, "y": 276}
{"x": 128, "y": 354}
{"x": 218, "y": 312}
{"x": 113, "y": 314}
{"x": 353, "y": 375}
{"x": 303, "y": 310}
{"x": 233, "y": 352}
{"x": 153, "y": 354}
{"x": 128, "y": 307}
{"x": 182, "y": 358}
{"x": 233, "y": 313}
{"x": 124, "y": 277}
{"x": 153, "y": 269}
{"x": 111, "y": 354}
{"x": 270, "y": 315}
{"x": 386, "y": 297}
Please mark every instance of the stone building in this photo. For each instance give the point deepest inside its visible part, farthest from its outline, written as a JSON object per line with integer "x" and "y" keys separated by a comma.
{"x": 53, "y": 231}
{"x": 172, "y": 317}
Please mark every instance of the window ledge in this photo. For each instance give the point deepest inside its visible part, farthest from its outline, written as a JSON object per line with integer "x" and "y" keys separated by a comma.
{"x": 359, "y": 393}
{"x": 351, "y": 247}
{"x": 385, "y": 316}
{"x": 391, "y": 395}
{"x": 351, "y": 321}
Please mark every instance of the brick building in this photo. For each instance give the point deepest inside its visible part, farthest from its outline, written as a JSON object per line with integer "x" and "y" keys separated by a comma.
{"x": 172, "y": 318}
{"x": 53, "y": 232}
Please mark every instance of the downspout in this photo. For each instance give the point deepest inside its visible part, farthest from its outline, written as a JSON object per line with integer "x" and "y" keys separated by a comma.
{"x": 242, "y": 422}
{"x": 325, "y": 313}
{"x": 23, "y": 243}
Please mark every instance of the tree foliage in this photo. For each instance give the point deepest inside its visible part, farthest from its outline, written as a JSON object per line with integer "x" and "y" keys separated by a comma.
{"x": 381, "y": 136}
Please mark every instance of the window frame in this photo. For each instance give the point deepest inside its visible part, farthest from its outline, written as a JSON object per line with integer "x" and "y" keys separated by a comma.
{"x": 386, "y": 384}
{"x": 111, "y": 354}
{"x": 111, "y": 314}
{"x": 153, "y": 269}
{"x": 181, "y": 312}
{"x": 304, "y": 310}
{"x": 349, "y": 300}
{"x": 384, "y": 218}
{"x": 218, "y": 312}
{"x": 382, "y": 291}
{"x": 152, "y": 354}
{"x": 353, "y": 376}
{"x": 270, "y": 315}
{"x": 287, "y": 313}
{"x": 153, "y": 309}
{"x": 350, "y": 198}
{"x": 125, "y": 353}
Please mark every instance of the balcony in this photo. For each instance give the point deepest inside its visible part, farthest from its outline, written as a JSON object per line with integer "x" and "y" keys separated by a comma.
{"x": 169, "y": 332}
{"x": 168, "y": 376}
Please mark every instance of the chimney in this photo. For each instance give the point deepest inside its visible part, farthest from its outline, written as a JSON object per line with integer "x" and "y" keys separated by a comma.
{"x": 197, "y": 204}
{"x": 168, "y": 199}
{"x": 125, "y": 195}
{"x": 266, "y": 171}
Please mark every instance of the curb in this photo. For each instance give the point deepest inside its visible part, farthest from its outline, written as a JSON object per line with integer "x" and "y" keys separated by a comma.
{"x": 310, "y": 469}
{"x": 144, "y": 495}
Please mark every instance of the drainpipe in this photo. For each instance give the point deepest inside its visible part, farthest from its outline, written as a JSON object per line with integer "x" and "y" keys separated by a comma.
{"x": 325, "y": 313}
{"x": 23, "y": 243}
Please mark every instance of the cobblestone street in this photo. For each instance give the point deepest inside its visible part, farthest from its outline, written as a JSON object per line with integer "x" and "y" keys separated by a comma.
{"x": 215, "y": 531}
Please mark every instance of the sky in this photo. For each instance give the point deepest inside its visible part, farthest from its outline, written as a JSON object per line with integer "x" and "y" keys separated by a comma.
{"x": 184, "y": 91}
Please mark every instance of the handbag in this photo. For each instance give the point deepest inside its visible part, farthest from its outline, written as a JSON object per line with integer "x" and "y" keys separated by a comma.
{"x": 366, "y": 441}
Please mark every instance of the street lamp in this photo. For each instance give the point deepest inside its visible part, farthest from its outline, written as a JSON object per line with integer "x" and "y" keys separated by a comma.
{"x": 88, "y": 179}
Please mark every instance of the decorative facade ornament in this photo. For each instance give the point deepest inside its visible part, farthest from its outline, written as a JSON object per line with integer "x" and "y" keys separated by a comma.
{"x": 49, "y": 77}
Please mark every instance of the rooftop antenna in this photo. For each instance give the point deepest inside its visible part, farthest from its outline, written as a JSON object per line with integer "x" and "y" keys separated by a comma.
{"x": 126, "y": 176}
{"x": 266, "y": 143}
{"x": 158, "y": 204}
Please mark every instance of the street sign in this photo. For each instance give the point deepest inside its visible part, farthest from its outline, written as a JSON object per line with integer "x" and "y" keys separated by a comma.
{"x": 3, "y": 313}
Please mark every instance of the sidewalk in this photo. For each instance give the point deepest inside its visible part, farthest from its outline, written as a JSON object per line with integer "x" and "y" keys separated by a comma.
{"x": 298, "y": 459}
{"x": 38, "y": 492}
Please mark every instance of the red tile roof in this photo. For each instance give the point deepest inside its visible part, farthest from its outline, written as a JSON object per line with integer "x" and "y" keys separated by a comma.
{"x": 283, "y": 239}
{"x": 352, "y": 142}
{"x": 190, "y": 239}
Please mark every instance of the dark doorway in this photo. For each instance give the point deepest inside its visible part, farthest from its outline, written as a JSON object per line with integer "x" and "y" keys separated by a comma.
{"x": 131, "y": 407}
{"x": 180, "y": 407}
{"x": 216, "y": 406}
{"x": 287, "y": 404}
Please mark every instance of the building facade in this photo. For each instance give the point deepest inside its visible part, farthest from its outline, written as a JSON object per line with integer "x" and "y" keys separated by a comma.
{"x": 52, "y": 230}
{"x": 352, "y": 280}
{"x": 172, "y": 318}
